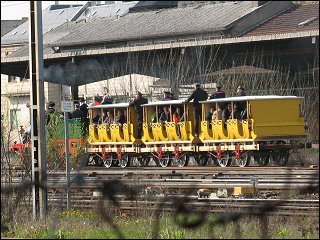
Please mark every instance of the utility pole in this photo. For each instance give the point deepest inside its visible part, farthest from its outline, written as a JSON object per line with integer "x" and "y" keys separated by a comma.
{"x": 74, "y": 86}
{"x": 38, "y": 119}
{"x": 67, "y": 107}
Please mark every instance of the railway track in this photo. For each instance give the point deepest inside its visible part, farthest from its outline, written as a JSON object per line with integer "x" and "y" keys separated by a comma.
{"x": 274, "y": 178}
{"x": 169, "y": 183}
{"x": 142, "y": 204}
{"x": 195, "y": 177}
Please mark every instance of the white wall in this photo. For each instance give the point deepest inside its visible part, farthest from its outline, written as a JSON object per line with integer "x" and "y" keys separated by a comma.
{"x": 119, "y": 86}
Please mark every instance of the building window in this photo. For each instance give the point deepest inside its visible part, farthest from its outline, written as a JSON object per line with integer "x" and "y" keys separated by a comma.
{"x": 14, "y": 118}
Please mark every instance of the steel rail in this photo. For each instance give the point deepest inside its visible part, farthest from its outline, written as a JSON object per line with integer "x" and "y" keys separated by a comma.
{"x": 252, "y": 206}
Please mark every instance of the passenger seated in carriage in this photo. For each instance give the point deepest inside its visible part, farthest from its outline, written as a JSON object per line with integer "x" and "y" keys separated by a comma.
{"x": 96, "y": 119}
{"x": 240, "y": 110}
{"x": 110, "y": 118}
{"x": 237, "y": 110}
{"x": 177, "y": 118}
{"x": 217, "y": 115}
{"x": 154, "y": 117}
{"x": 120, "y": 118}
{"x": 226, "y": 114}
{"x": 244, "y": 114}
{"x": 103, "y": 117}
{"x": 165, "y": 115}
{"x": 209, "y": 115}
{"x": 177, "y": 115}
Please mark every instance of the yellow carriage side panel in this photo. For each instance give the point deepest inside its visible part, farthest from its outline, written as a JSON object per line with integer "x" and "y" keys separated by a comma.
{"x": 277, "y": 118}
{"x": 93, "y": 133}
{"x": 234, "y": 128}
{"x": 116, "y": 133}
{"x": 187, "y": 127}
{"x": 248, "y": 133}
{"x": 159, "y": 132}
{"x": 220, "y": 132}
{"x": 132, "y": 132}
{"x": 128, "y": 132}
{"x": 206, "y": 132}
{"x": 147, "y": 134}
{"x": 171, "y": 129}
{"x": 186, "y": 130}
{"x": 104, "y": 133}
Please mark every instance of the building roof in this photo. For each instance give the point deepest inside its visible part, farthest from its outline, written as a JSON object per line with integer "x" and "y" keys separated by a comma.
{"x": 244, "y": 69}
{"x": 8, "y": 25}
{"x": 296, "y": 19}
{"x": 55, "y": 15}
{"x": 142, "y": 25}
{"x": 160, "y": 29}
{"x": 153, "y": 24}
{"x": 50, "y": 20}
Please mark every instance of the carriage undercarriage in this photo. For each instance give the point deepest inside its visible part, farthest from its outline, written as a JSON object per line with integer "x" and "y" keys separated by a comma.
{"x": 221, "y": 153}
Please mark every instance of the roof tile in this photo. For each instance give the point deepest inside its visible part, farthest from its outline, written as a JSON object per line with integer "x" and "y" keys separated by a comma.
{"x": 289, "y": 21}
{"x": 153, "y": 24}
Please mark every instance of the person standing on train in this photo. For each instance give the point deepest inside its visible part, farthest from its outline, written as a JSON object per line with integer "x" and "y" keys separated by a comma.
{"x": 96, "y": 101}
{"x": 197, "y": 95}
{"x": 166, "y": 96}
{"x": 84, "y": 108}
{"x": 172, "y": 96}
{"x": 240, "y": 91}
{"x": 106, "y": 100}
{"x": 137, "y": 102}
{"x": 77, "y": 113}
{"x": 85, "y": 115}
{"x": 218, "y": 93}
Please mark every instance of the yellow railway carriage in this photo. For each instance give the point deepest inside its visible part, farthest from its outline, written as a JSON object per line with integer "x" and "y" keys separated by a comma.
{"x": 170, "y": 138}
{"x": 239, "y": 129}
{"x": 258, "y": 126}
{"x": 110, "y": 142}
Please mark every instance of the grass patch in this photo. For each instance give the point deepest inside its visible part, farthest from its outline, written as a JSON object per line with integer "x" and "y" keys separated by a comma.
{"x": 88, "y": 225}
